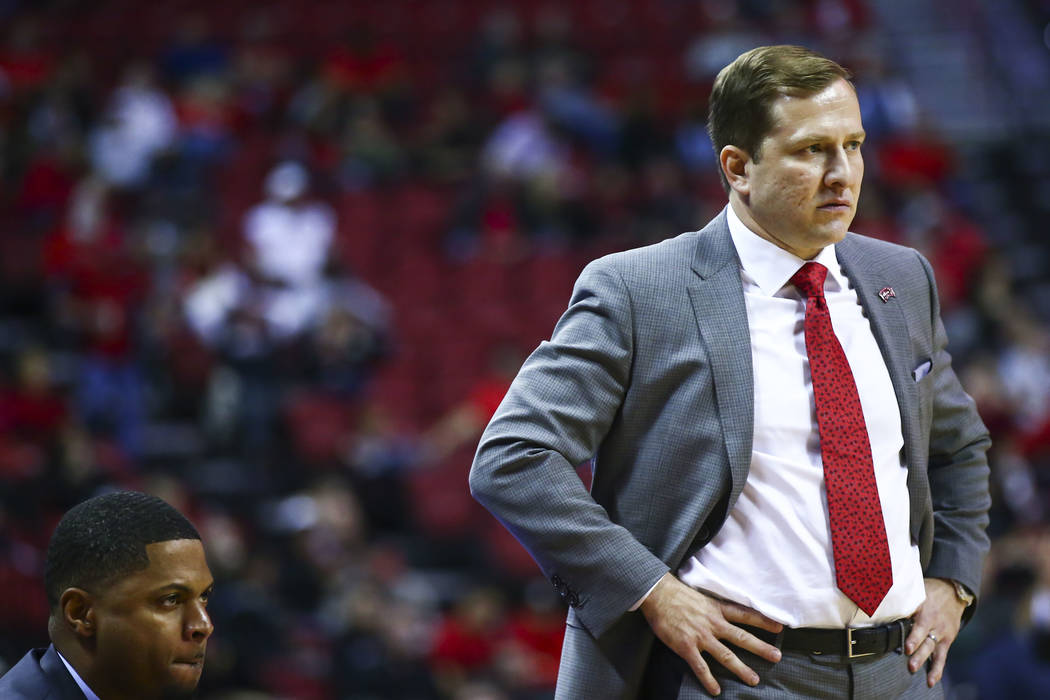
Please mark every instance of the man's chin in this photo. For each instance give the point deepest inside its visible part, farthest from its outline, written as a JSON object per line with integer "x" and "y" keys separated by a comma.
{"x": 178, "y": 693}
{"x": 835, "y": 232}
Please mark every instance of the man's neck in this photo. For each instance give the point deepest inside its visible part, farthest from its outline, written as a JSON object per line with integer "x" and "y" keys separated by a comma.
{"x": 84, "y": 688}
{"x": 743, "y": 212}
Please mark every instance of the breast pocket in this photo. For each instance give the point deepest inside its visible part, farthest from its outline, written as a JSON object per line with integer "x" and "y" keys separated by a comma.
{"x": 924, "y": 391}
{"x": 922, "y": 370}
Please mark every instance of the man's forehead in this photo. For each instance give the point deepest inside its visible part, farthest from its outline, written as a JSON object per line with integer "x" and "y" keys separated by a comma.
{"x": 835, "y": 107}
{"x": 173, "y": 546}
{"x": 171, "y": 561}
{"x": 176, "y": 553}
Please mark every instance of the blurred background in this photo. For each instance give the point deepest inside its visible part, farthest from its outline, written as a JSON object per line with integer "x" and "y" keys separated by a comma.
{"x": 278, "y": 261}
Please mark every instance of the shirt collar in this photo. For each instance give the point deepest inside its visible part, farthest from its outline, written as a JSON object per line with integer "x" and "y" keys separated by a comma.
{"x": 76, "y": 677}
{"x": 769, "y": 266}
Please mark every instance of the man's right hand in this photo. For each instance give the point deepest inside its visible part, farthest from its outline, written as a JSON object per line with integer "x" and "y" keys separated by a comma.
{"x": 690, "y": 623}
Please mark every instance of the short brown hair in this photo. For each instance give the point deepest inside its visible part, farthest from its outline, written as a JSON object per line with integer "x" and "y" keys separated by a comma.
{"x": 739, "y": 111}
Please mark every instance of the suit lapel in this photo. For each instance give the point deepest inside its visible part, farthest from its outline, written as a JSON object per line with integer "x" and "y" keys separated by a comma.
{"x": 721, "y": 316}
{"x": 58, "y": 677}
{"x": 890, "y": 328}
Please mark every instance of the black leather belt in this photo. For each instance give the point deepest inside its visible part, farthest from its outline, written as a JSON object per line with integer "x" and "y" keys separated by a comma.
{"x": 850, "y": 642}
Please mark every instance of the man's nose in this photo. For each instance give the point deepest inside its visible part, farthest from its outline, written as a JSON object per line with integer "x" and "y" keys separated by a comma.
{"x": 840, "y": 170}
{"x": 198, "y": 624}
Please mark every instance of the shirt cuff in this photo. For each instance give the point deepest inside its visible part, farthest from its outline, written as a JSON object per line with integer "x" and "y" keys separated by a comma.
{"x": 642, "y": 599}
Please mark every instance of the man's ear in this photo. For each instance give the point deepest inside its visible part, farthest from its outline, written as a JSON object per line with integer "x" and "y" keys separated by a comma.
{"x": 734, "y": 161}
{"x": 77, "y": 608}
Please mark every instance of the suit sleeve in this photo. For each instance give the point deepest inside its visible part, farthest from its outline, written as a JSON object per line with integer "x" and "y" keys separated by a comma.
{"x": 958, "y": 468}
{"x": 554, "y": 416}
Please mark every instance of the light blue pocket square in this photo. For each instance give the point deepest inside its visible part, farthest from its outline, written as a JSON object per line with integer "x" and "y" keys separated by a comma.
{"x": 922, "y": 370}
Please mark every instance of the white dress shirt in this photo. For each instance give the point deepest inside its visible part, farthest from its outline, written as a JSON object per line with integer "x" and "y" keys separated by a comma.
{"x": 774, "y": 551}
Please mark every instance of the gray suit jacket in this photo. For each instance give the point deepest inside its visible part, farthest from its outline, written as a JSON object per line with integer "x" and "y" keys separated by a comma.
{"x": 649, "y": 371}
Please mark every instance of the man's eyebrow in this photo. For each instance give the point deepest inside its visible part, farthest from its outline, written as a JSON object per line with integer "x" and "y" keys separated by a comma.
{"x": 181, "y": 588}
{"x": 817, "y": 137}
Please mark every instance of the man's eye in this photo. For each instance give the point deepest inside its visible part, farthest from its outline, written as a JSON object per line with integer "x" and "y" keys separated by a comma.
{"x": 853, "y": 145}
{"x": 814, "y": 148}
{"x": 205, "y": 597}
{"x": 170, "y": 600}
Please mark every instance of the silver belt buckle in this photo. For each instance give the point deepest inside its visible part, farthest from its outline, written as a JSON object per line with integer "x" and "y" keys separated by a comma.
{"x": 850, "y": 641}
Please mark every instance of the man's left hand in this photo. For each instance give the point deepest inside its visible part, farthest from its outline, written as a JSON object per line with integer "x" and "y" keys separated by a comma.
{"x": 936, "y": 624}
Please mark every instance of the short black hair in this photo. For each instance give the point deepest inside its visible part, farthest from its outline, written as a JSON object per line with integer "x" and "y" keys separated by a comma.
{"x": 105, "y": 537}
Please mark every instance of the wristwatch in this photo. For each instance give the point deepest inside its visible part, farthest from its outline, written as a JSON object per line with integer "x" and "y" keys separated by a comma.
{"x": 963, "y": 593}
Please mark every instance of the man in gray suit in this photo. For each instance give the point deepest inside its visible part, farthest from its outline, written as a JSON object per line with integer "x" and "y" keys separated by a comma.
{"x": 711, "y": 554}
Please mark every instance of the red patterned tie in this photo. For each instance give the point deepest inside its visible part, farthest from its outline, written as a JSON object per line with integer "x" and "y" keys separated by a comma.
{"x": 858, "y": 532}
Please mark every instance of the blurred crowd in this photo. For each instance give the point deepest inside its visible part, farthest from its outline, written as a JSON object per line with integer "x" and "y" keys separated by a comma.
{"x": 278, "y": 262}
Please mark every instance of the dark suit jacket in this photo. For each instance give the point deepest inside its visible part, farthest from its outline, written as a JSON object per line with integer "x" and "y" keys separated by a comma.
{"x": 40, "y": 675}
{"x": 649, "y": 370}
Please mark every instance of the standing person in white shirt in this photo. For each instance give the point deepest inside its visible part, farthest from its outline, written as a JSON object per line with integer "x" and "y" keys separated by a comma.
{"x": 790, "y": 487}
{"x": 290, "y": 238}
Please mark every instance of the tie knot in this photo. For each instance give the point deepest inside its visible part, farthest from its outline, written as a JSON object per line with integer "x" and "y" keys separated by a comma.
{"x": 810, "y": 279}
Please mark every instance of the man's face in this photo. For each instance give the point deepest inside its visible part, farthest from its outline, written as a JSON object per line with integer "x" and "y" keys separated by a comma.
{"x": 152, "y": 627}
{"x": 802, "y": 192}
